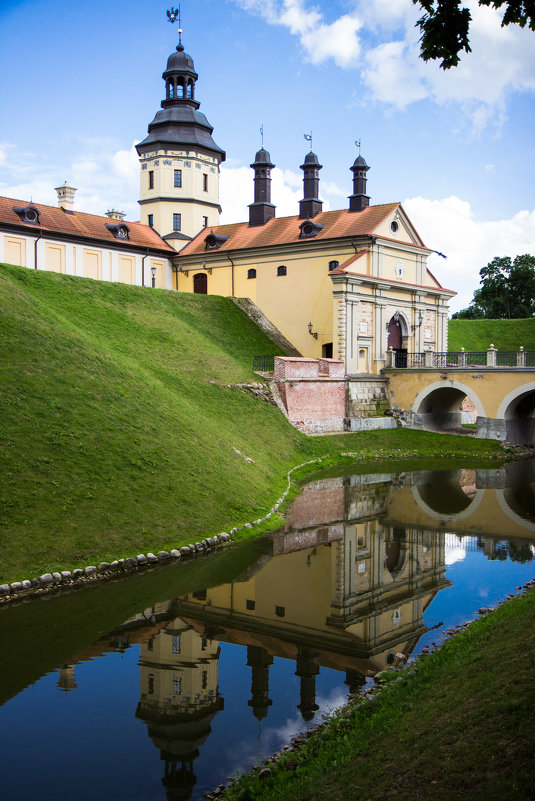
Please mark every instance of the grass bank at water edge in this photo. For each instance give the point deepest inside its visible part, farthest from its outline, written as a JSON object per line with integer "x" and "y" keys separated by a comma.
{"x": 457, "y": 724}
{"x": 123, "y": 430}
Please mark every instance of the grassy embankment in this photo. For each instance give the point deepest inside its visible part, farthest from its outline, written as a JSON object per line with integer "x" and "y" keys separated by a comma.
{"x": 478, "y": 335}
{"x": 459, "y": 724}
{"x": 119, "y": 426}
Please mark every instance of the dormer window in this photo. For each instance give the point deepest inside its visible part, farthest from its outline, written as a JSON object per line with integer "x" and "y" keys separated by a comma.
{"x": 309, "y": 229}
{"x": 213, "y": 241}
{"x": 27, "y": 214}
{"x": 119, "y": 231}
{"x": 333, "y": 265}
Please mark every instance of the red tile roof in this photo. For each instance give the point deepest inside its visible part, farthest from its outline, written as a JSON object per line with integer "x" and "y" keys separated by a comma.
{"x": 53, "y": 219}
{"x": 285, "y": 230}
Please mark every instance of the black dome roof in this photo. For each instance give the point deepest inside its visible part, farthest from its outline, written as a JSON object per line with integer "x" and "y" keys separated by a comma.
{"x": 311, "y": 158}
{"x": 180, "y": 61}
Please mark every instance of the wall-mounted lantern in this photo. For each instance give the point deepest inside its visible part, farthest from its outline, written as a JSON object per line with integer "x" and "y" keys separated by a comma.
{"x": 311, "y": 332}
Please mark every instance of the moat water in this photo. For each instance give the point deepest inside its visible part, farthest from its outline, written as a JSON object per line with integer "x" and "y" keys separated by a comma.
{"x": 164, "y": 685}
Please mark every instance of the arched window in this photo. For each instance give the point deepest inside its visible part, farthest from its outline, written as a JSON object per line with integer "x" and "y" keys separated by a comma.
{"x": 281, "y": 270}
{"x": 251, "y": 273}
{"x": 189, "y": 90}
{"x": 170, "y": 89}
{"x": 333, "y": 265}
{"x": 180, "y": 89}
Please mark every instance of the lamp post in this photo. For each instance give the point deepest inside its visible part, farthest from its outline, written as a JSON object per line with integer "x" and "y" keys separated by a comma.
{"x": 153, "y": 271}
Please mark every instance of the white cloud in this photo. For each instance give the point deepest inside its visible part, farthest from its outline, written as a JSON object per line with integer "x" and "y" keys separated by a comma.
{"x": 379, "y": 38}
{"x": 320, "y": 40}
{"x": 103, "y": 178}
{"x": 449, "y": 225}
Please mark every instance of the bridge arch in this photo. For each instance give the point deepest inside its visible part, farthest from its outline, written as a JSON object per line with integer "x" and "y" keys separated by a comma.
{"x": 447, "y": 498}
{"x": 439, "y": 404}
{"x": 518, "y": 411}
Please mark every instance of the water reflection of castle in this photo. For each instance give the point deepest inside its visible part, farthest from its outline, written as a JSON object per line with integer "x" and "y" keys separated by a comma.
{"x": 341, "y": 591}
{"x": 345, "y": 587}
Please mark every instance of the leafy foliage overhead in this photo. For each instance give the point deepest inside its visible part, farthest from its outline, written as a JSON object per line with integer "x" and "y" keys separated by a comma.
{"x": 445, "y": 26}
{"x": 507, "y": 290}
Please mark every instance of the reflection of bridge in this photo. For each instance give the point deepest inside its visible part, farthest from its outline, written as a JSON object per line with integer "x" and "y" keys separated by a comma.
{"x": 481, "y": 503}
{"x": 431, "y": 392}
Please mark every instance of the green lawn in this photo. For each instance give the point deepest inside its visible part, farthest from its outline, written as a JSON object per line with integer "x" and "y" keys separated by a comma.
{"x": 119, "y": 425}
{"x": 457, "y": 726}
{"x": 477, "y": 335}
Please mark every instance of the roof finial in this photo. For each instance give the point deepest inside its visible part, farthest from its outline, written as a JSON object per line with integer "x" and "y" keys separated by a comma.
{"x": 357, "y": 142}
{"x": 308, "y": 137}
{"x": 262, "y": 134}
{"x": 173, "y": 14}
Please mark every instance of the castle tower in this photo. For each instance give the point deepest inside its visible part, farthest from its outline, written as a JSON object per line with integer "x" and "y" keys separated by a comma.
{"x": 359, "y": 200}
{"x": 179, "y": 160}
{"x": 311, "y": 204}
{"x": 262, "y": 209}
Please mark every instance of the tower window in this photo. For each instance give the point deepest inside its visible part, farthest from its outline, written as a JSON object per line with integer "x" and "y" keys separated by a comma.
{"x": 151, "y": 684}
{"x": 151, "y": 179}
{"x": 204, "y": 679}
{"x": 176, "y": 643}
{"x": 151, "y": 220}
{"x": 177, "y": 684}
{"x": 251, "y": 273}
{"x": 281, "y": 270}
{"x": 205, "y": 182}
{"x": 280, "y": 611}
{"x": 177, "y": 222}
{"x": 205, "y": 222}
{"x": 178, "y": 178}
{"x": 333, "y": 265}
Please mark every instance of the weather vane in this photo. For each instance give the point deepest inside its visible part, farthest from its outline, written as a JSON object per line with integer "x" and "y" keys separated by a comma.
{"x": 173, "y": 14}
{"x": 308, "y": 137}
{"x": 262, "y": 133}
{"x": 357, "y": 142}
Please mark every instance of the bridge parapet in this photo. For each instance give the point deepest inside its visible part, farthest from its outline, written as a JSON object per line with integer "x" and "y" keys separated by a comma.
{"x": 462, "y": 359}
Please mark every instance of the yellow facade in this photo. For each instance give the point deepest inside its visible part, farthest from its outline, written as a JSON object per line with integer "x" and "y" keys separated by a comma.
{"x": 348, "y": 311}
{"x": 15, "y": 250}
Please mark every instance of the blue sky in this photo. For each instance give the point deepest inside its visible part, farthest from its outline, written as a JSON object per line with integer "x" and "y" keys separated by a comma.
{"x": 81, "y": 82}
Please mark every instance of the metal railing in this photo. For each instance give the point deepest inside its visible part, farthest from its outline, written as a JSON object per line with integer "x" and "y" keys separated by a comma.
{"x": 462, "y": 359}
{"x": 263, "y": 364}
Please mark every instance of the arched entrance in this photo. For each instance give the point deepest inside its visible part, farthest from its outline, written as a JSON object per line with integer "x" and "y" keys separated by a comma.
{"x": 440, "y": 406}
{"x": 200, "y": 284}
{"x": 518, "y": 410}
{"x": 394, "y": 340}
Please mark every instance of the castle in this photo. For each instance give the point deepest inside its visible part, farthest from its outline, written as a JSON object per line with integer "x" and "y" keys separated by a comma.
{"x": 349, "y": 284}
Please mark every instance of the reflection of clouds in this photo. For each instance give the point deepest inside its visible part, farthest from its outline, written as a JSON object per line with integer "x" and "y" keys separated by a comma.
{"x": 454, "y": 554}
{"x": 272, "y": 738}
{"x": 483, "y": 592}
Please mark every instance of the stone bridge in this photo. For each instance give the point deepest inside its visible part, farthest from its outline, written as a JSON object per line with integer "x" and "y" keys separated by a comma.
{"x": 429, "y": 392}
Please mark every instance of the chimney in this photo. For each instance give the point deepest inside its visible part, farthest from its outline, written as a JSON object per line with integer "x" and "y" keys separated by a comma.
{"x": 311, "y": 204}
{"x": 66, "y": 196}
{"x": 359, "y": 200}
{"x": 113, "y": 214}
{"x": 262, "y": 209}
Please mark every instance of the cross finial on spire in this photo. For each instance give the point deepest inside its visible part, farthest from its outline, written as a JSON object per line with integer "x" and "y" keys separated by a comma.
{"x": 173, "y": 14}
{"x": 308, "y": 137}
{"x": 357, "y": 142}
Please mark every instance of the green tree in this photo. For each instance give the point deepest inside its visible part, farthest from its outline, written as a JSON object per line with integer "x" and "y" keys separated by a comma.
{"x": 445, "y": 26}
{"x": 507, "y": 290}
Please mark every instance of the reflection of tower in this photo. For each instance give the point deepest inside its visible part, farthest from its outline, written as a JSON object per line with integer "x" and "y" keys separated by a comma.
{"x": 307, "y": 670}
{"x": 66, "y": 678}
{"x": 179, "y": 699}
{"x": 259, "y": 660}
{"x": 354, "y": 680}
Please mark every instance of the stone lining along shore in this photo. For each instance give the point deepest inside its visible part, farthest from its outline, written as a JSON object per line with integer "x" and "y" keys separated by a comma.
{"x": 55, "y": 581}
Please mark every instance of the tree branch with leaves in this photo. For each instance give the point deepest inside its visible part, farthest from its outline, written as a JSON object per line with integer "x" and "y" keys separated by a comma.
{"x": 445, "y": 26}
